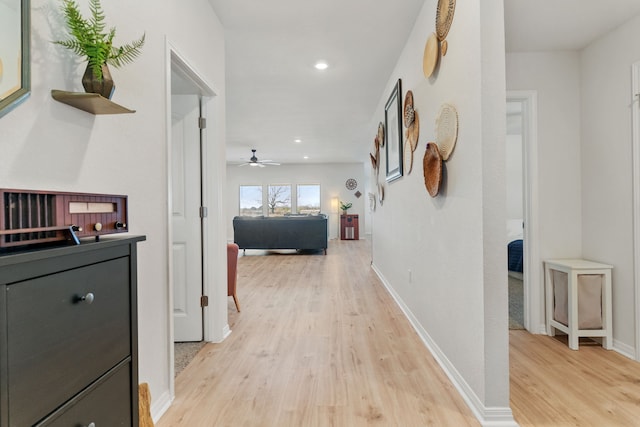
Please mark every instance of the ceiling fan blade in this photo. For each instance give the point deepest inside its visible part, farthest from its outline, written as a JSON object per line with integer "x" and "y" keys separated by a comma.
{"x": 243, "y": 164}
{"x": 270, "y": 163}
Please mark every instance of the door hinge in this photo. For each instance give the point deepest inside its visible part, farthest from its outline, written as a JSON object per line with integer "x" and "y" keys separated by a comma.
{"x": 203, "y": 212}
{"x": 204, "y": 301}
{"x": 202, "y": 122}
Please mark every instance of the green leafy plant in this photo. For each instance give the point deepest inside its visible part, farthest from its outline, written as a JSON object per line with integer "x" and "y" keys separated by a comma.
{"x": 89, "y": 38}
{"x": 345, "y": 206}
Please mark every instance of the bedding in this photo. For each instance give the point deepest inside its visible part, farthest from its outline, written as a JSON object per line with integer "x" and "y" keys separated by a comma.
{"x": 514, "y": 244}
{"x": 514, "y": 255}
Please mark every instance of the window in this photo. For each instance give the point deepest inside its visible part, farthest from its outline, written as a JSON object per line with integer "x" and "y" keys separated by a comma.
{"x": 309, "y": 199}
{"x": 279, "y": 200}
{"x": 251, "y": 200}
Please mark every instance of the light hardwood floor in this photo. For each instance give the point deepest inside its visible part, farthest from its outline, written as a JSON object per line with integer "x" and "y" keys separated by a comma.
{"x": 552, "y": 385}
{"x": 321, "y": 343}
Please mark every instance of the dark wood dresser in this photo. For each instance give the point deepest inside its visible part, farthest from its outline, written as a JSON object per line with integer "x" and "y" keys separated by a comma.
{"x": 68, "y": 335}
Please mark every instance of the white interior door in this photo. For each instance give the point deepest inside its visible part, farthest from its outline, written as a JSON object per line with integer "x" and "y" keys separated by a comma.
{"x": 186, "y": 221}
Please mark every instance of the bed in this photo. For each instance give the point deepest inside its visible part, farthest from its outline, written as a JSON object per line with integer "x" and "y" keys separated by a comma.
{"x": 514, "y": 245}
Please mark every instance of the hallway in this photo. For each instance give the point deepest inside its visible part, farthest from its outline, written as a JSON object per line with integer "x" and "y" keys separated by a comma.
{"x": 319, "y": 342}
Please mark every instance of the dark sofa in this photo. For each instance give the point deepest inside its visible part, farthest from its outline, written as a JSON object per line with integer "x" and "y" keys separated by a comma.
{"x": 287, "y": 232}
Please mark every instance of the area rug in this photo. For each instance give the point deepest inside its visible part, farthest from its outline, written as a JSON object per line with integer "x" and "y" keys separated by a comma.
{"x": 516, "y": 302}
{"x": 184, "y": 352}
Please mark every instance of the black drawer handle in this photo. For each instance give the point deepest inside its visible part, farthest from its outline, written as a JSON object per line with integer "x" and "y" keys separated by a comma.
{"x": 88, "y": 298}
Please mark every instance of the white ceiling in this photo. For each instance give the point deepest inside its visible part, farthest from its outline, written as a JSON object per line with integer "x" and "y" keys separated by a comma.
{"x": 543, "y": 25}
{"x": 275, "y": 95}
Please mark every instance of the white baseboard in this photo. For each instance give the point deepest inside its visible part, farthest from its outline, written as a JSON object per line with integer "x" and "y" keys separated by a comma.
{"x": 488, "y": 416}
{"x": 226, "y": 331}
{"x": 160, "y": 406}
{"x": 624, "y": 349}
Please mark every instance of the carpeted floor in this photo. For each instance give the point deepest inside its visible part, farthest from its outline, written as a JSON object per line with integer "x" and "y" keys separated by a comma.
{"x": 516, "y": 302}
{"x": 184, "y": 353}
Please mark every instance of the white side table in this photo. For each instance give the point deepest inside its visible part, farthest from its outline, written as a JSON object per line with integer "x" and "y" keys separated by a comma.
{"x": 574, "y": 268}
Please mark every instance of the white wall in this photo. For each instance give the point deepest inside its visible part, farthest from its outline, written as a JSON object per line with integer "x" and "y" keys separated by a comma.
{"x": 444, "y": 258}
{"x": 607, "y": 207}
{"x": 331, "y": 177}
{"x": 51, "y": 146}
{"x": 514, "y": 165}
{"x": 556, "y": 78}
{"x": 514, "y": 176}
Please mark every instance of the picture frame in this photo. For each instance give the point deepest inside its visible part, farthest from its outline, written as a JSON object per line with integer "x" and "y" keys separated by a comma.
{"x": 393, "y": 126}
{"x": 15, "y": 63}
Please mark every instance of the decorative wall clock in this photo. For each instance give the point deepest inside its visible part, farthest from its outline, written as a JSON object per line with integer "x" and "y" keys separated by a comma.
{"x": 351, "y": 184}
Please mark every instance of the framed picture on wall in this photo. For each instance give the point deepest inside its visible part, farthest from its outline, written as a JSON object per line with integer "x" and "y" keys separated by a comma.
{"x": 393, "y": 125}
{"x": 15, "y": 71}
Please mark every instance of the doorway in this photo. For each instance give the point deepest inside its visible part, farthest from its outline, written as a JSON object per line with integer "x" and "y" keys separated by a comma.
{"x": 188, "y": 254}
{"x": 515, "y": 212}
{"x": 523, "y": 106}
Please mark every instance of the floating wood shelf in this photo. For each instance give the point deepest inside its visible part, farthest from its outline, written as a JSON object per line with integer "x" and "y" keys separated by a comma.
{"x": 90, "y": 102}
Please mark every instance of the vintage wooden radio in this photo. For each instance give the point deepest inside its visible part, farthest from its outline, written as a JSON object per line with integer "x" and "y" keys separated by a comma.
{"x": 33, "y": 216}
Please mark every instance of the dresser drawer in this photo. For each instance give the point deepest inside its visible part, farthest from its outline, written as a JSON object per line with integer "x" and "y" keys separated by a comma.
{"x": 105, "y": 404}
{"x": 57, "y": 343}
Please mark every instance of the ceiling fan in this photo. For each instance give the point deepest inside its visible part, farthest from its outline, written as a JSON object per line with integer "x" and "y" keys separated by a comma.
{"x": 253, "y": 161}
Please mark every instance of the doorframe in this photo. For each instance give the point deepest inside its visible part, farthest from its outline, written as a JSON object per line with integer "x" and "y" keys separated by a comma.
{"x": 635, "y": 119}
{"x": 176, "y": 62}
{"x": 533, "y": 287}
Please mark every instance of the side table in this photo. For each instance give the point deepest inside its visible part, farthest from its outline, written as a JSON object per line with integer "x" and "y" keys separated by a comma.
{"x": 349, "y": 228}
{"x": 580, "y": 274}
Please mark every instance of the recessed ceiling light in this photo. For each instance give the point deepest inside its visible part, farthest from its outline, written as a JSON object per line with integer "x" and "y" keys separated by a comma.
{"x": 321, "y": 65}
{"x": 305, "y": 157}
{"x": 297, "y": 141}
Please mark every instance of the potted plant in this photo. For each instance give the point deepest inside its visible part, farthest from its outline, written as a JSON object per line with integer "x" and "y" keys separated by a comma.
{"x": 90, "y": 40}
{"x": 345, "y": 207}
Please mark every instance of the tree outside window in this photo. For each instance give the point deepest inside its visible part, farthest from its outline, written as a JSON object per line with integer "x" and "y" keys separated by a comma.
{"x": 308, "y": 199}
{"x": 251, "y": 200}
{"x": 279, "y": 200}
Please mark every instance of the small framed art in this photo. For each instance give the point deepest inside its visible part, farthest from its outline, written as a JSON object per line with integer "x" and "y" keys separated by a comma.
{"x": 393, "y": 126}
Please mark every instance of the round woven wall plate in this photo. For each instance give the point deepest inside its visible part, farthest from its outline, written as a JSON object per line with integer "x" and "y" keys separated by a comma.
{"x": 432, "y": 169}
{"x": 381, "y": 134}
{"x": 408, "y": 159}
{"x": 409, "y": 112}
{"x": 431, "y": 55}
{"x": 374, "y": 161}
{"x": 446, "y": 130}
{"x": 444, "y": 17}
{"x": 414, "y": 132}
